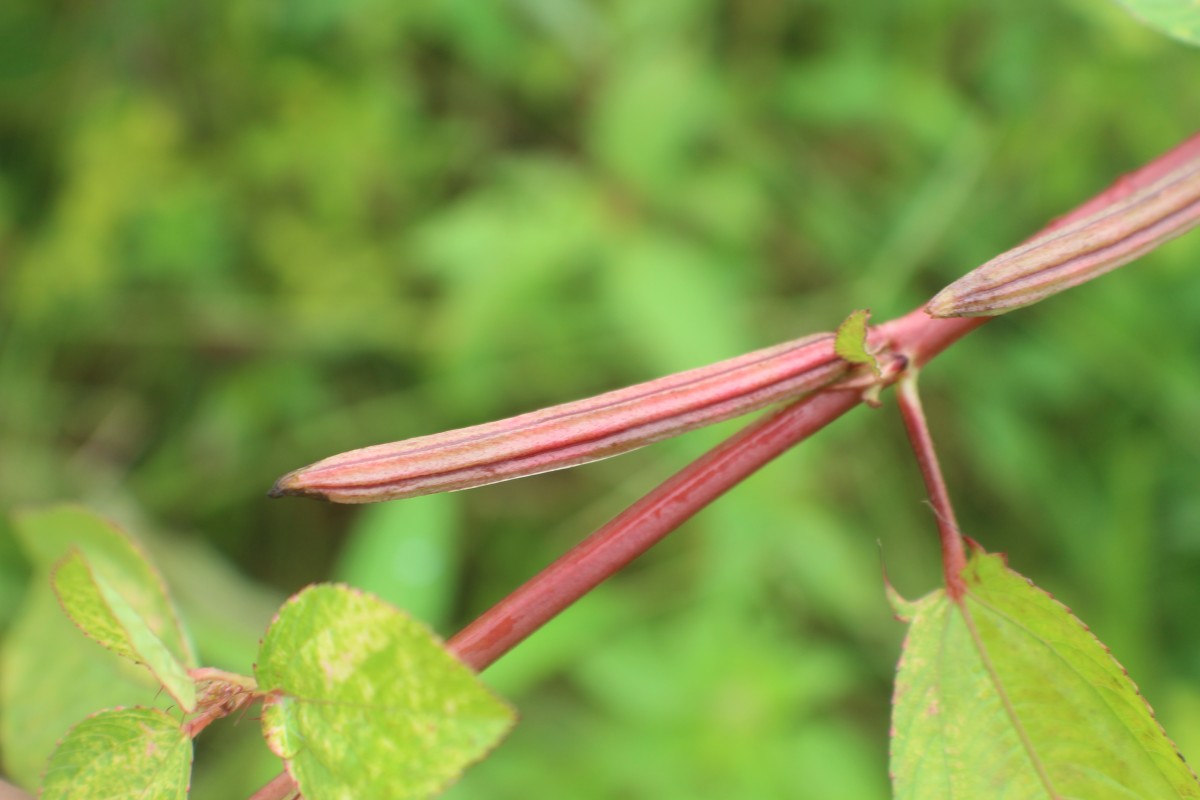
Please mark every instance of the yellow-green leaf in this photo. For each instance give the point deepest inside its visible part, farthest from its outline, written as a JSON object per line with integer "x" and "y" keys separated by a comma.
{"x": 363, "y": 701}
{"x": 49, "y": 534}
{"x": 99, "y": 609}
{"x": 126, "y": 752}
{"x": 1008, "y": 694}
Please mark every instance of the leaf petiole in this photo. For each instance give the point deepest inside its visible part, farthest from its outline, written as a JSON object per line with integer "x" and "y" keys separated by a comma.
{"x": 954, "y": 559}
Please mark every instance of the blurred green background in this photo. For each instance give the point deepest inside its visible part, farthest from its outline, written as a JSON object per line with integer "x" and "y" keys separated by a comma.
{"x": 239, "y": 237}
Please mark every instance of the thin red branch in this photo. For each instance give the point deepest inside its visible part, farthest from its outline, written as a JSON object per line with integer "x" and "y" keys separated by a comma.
{"x": 281, "y": 787}
{"x": 10, "y": 792}
{"x": 954, "y": 559}
{"x": 643, "y": 524}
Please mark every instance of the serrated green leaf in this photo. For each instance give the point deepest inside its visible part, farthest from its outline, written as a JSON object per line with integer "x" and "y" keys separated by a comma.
{"x": 1010, "y": 690}
{"x": 124, "y": 752}
{"x": 79, "y": 595}
{"x": 365, "y": 702}
{"x": 92, "y": 602}
{"x": 1177, "y": 18}
{"x": 49, "y": 534}
{"x": 851, "y": 341}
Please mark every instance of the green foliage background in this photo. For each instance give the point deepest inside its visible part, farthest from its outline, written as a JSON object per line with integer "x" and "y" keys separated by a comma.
{"x": 238, "y": 237}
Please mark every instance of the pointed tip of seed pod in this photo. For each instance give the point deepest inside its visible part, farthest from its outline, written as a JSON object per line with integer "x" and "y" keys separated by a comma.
{"x": 287, "y": 487}
{"x": 953, "y": 302}
{"x": 943, "y": 305}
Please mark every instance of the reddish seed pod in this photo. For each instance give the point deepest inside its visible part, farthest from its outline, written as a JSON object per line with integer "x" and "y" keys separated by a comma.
{"x": 1079, "y": 251}
{"x": 572, "y": 433}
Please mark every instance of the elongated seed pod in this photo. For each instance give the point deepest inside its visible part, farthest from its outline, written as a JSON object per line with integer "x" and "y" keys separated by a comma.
{"x": 1080, "y": 251}
{"x": 572, "y": 433}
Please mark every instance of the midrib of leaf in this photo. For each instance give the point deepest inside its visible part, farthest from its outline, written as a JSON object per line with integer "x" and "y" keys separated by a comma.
{"x": 1013, "y": 717}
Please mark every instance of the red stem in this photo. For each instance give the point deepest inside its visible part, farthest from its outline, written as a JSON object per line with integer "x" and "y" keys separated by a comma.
{"x": 10, "y": 792}
{"x": 954, "y": 559}
{"x": 281, "y": 787}
{"x": 639, "y": 527}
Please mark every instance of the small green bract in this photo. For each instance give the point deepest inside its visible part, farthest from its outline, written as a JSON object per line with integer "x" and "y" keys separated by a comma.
{"x": 851, "y": 341}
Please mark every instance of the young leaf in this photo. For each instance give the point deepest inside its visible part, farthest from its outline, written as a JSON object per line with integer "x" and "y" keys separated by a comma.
{"x": 1008, "y": 689}
{"x": 364, "y": 702}
{"x": 93, "y": 604}
{"x": 1177, "y": 18}
{"x": 851, "y": 341}
{"x": 124, "y": 752}
{"x": 48, "y": 535}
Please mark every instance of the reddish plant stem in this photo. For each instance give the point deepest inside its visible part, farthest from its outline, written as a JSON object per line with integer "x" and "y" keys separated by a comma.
{"x": 281, "y": 787}
{"x": 954, "y": 559}
{"x": 10, "y": 792}
{"x": 639, "y": 527}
